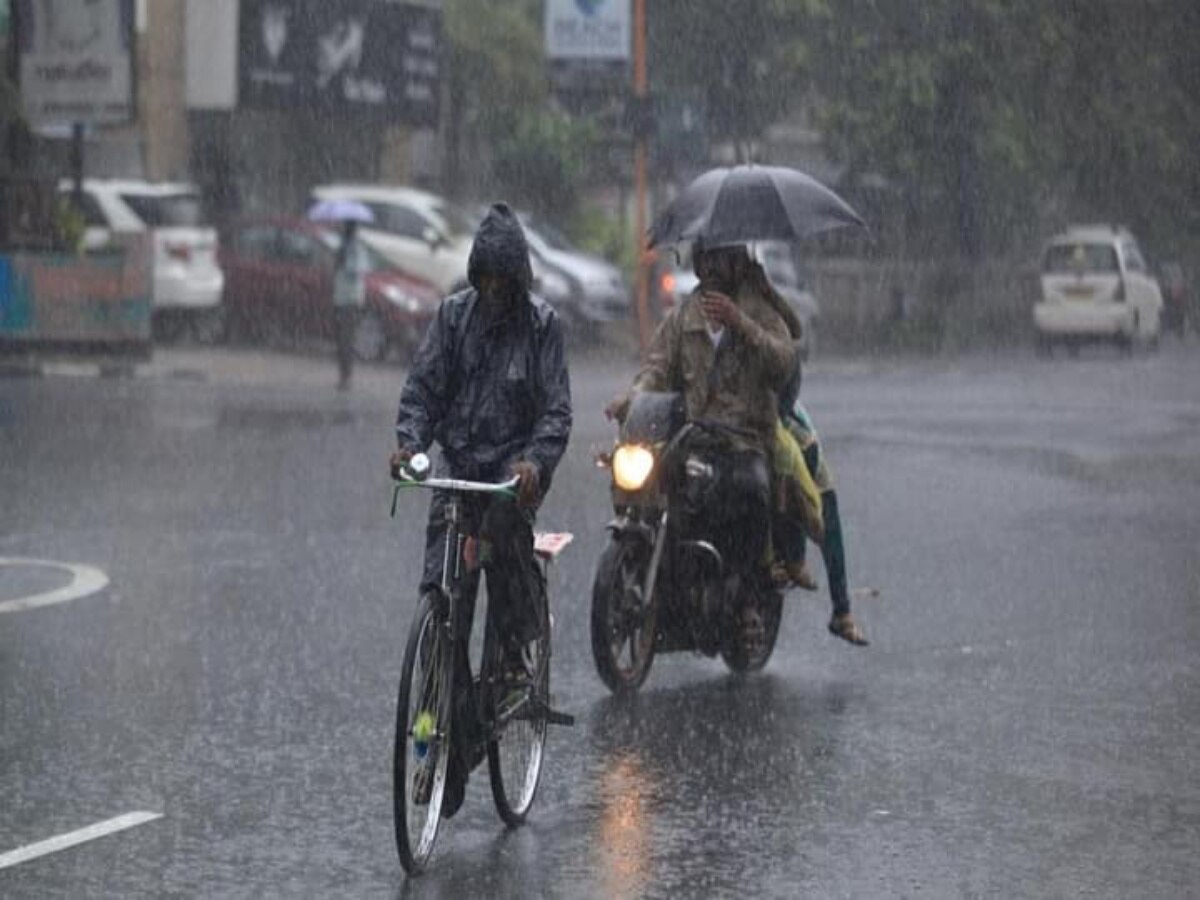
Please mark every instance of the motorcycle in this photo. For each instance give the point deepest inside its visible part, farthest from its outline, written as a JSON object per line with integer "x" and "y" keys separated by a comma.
{"x": 670, "y": 579}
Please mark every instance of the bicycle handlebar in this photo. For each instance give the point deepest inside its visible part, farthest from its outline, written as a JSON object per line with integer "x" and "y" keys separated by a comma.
{"x": 456, "y": 484}
{"x": 408, "y": 477}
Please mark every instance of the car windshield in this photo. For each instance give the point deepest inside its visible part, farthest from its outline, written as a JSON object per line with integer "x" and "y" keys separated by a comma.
{"x": 554, "y": 238}
{"x": 1080, "y": 257}
{"x": 166, "y": 209}
{"x": 458, "y": 223}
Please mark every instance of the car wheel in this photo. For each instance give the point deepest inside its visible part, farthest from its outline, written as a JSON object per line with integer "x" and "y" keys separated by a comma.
{"x": 370, "y": 338}
{"x": 208, "y": 326}
{"x": 168, "y": 326}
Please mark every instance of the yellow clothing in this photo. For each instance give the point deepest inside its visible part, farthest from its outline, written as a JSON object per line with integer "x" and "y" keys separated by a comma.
{"x": 799, "y": 493}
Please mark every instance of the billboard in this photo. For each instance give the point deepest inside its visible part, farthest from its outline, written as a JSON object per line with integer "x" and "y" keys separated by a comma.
{"x": 75, "y": 60}
{"x": 367, "y": 56}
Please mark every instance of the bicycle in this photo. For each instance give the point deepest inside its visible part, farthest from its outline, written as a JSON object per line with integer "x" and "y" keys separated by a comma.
{"x": 509, "y": 721}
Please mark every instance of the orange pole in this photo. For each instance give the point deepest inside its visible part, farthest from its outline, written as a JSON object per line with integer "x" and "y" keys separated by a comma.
{"x": 641, "y": 256}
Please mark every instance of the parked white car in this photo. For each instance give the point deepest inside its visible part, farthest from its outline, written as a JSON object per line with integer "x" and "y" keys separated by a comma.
{"x": 596, "y": 289}
{"x": 187, "y": 282}
{"x": 1095, "y": 285}
{"x": 418, "y": 232}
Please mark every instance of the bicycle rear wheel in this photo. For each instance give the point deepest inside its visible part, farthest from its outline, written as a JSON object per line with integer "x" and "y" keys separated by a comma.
{"x": 422, "y": 748}
{"x": 515, "y": 753}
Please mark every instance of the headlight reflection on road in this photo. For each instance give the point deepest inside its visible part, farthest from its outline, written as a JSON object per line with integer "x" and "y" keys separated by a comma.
{"x": 624, "y": 826}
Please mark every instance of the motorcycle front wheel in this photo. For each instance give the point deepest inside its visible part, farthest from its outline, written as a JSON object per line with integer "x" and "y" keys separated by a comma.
{"x": 622, "y": 622}
{"x": 748, "y": 645}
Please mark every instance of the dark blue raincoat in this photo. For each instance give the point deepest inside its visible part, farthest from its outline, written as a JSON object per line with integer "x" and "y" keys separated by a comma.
{"x": 491, "y": 390}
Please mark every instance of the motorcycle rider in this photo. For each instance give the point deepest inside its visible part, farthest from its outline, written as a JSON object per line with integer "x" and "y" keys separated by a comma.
{"x": 735, "y": 296}
{"x": 489, "y": 384}
{"x": 729, "y": 353}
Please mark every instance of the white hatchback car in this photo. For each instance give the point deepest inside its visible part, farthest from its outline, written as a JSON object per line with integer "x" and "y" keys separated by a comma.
{"x": 418, "y": 232}
{"x": 187, "y": 282}
{"x": 1096, "y": 286}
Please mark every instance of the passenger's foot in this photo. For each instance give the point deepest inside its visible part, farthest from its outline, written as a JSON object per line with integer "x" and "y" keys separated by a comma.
{"x": 792, "y": 574}
{"x": 847, "y": 629}
{"x": 800, "y": 576}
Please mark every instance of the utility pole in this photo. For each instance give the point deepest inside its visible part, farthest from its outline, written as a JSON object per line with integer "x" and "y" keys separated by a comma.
{"x": 641, "y": 129}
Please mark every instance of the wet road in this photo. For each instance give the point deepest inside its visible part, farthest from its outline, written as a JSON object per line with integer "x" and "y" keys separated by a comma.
{"x": 1025, "y": 722}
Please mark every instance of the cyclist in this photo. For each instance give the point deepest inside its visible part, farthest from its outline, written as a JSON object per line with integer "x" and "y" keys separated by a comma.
{"x": 489, "y": 384}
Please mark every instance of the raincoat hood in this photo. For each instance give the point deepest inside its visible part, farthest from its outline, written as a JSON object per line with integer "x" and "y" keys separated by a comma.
{"x": 500, "y": 249}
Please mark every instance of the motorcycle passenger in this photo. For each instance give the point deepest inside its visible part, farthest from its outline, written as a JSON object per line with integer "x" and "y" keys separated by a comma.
{"x": 792, "y": 530}
{"x": 728, "y": 352}
{"x": 806, "y": 502}
{"x": 489, "y": 384}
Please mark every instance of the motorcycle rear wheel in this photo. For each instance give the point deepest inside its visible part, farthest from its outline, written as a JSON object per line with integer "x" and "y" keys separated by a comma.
{"x": 623, "y": 625}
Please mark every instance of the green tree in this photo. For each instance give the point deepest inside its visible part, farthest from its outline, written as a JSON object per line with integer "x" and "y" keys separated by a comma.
{"x": 994, "y": 120}
{"x": 746, "y": 58}
{"x": 496, "y": 77}
{"x": 543, "y": 161}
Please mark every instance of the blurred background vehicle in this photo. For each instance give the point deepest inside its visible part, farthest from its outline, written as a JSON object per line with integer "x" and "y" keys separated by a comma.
{"x": 1175, "y": 297}
{"x": 673, "y": 280}
{"x": 596, "y": 290}
{"x": 279, "y": 285}
{"x": 1096, "y": 286}
{"x": 186, "y": 280}
{"x": 418, "y": 232}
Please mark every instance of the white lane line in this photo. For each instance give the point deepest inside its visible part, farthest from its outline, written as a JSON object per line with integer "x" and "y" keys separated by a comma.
{"x": 71, "y": 838}
{"x": 85, "y": 580}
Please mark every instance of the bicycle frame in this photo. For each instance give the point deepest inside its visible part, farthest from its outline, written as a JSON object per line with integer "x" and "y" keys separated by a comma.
{"x": 452, "y": 565}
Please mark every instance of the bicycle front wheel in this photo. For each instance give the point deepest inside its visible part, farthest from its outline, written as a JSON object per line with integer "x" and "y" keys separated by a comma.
{"x": 422, "y": 749}
{"x": 515, "y": 754}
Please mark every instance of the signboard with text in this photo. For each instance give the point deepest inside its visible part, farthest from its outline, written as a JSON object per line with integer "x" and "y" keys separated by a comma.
{"x": 367, "y": 56}
{"x": 587, "y": 29}
{"x": 75, "y": 60}
{"x": 587, "y": 48}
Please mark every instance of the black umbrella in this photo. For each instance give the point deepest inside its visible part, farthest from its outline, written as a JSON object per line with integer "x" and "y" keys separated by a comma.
{"x": 746, "y": 203}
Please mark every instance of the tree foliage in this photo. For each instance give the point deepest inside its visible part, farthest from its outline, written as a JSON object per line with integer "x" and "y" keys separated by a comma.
{"x": 496, "y": 77}
{"x": 743, "y": 57}
{"x": 995, "y": 120}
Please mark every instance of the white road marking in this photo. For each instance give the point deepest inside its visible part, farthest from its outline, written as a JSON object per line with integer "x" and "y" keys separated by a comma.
{"x": 85, "y": 580}
{"x": 71, "y": 838}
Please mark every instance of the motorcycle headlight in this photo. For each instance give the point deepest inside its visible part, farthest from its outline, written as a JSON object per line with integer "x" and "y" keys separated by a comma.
{"x": 631, "y": 466}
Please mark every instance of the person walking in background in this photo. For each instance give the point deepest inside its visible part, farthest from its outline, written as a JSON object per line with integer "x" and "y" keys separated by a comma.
{"x": 349, "y": 294}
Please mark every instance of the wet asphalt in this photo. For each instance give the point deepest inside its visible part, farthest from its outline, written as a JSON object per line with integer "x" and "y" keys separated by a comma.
{"x": 1024, "y": 724}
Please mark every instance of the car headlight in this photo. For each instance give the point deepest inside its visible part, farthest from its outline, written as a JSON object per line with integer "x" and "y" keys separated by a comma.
{"x": 554, "y": 285}
{"x": 397, "y": 296}
{"x": 631, "y": 466}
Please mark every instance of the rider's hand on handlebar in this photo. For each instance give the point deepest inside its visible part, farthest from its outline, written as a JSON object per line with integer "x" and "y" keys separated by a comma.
{"x": 617, "y": 407}
{"x": 720, "y": 309}
{"x": 399, "y": 460}
{"x": 527, "y": 486}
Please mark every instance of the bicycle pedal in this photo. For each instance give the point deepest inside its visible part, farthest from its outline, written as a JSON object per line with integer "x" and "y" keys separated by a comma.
{"x": 553, "y": 717}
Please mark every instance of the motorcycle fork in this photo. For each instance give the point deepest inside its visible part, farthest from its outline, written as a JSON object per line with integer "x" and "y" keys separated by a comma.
{"x": 660, "y": 542}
